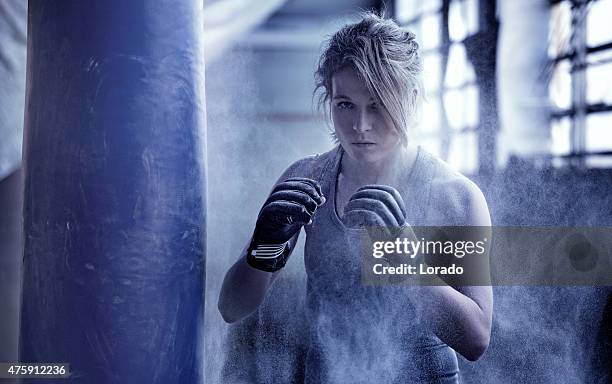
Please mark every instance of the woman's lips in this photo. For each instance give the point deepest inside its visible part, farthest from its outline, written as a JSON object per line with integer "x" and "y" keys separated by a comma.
{"x": 364, "y": 144}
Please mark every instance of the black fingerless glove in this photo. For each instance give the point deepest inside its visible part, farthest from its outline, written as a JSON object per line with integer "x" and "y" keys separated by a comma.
{"x": 291, "y": 204}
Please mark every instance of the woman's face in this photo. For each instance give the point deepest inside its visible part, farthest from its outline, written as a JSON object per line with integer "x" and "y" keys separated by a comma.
{"x": 363, "y": 127}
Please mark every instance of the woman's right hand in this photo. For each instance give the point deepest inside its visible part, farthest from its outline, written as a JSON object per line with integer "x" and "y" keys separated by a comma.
{"x": 290, "y": 206}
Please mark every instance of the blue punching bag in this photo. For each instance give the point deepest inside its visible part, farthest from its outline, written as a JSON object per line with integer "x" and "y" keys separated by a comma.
{"x": 114, "y": 205}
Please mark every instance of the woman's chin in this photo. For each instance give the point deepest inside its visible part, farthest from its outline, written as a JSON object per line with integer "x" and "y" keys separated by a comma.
{"x": 366, "y": 155}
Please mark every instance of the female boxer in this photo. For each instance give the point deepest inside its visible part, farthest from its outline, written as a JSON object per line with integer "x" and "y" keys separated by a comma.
{"x": 369, "y": 81}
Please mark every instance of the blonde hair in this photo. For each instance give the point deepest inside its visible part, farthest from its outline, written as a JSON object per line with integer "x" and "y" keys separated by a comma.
{"x": 386, "y": 57}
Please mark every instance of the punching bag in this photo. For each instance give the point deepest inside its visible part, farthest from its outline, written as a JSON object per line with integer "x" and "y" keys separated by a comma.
{"x": 114, "y": 199}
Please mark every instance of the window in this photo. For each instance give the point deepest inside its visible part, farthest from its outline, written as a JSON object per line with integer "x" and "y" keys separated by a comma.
{"x": 579, "y": 80}
{"x": 580, "y": 88}
{"x": 450, "y": 111}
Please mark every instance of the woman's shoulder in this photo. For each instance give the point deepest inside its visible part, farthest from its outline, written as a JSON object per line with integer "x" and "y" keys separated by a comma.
{"x": 312, "y": 166}
{"x": 455, "y": 197}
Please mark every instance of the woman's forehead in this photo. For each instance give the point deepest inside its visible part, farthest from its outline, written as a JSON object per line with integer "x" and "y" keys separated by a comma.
{"x": 348, "y": 83}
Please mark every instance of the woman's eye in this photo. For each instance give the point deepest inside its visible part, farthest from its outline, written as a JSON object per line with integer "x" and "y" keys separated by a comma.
{"x": 344, "y": 105}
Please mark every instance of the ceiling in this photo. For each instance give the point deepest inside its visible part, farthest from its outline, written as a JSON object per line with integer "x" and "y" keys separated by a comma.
{"x": 302, "y": 24}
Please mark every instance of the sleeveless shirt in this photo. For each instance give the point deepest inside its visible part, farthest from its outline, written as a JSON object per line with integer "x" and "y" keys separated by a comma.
{"x": 357, "y": 333}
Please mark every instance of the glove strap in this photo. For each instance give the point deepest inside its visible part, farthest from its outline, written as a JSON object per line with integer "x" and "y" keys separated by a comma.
{"x": 268, "y": 257}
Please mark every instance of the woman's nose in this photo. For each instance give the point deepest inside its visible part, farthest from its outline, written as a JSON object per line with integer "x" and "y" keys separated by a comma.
{"x": 362, "y": 122}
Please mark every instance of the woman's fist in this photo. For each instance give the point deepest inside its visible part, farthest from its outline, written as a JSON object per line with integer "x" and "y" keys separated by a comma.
{"x": 376, "y": 206}
{"x": 291, "y": 204}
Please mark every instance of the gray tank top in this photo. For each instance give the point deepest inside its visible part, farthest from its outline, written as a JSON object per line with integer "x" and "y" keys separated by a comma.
{"x": 357, "y": 333}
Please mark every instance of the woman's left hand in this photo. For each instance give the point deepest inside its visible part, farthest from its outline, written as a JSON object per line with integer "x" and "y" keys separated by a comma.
{"x": 376, "y": 207}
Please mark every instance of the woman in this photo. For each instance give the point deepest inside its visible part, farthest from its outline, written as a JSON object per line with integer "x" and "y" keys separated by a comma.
{"x": 369, "y": 75}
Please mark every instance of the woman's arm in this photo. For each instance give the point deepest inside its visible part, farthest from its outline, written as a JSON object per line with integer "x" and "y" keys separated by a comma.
{"x": 459, "y": 316}
{"x": 290, "y": 205}
{"x": 244, "y": 288}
